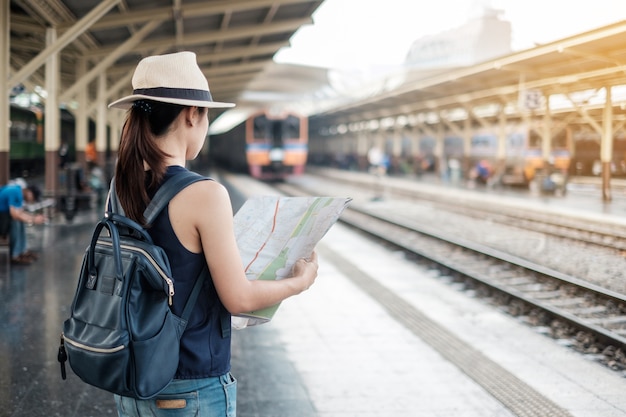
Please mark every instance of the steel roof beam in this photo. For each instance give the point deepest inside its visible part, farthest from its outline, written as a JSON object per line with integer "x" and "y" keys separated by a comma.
{"x": 123, "y": 82}
{"x": 80, "y": 27}
{"x": 25, "y": 24}
{"x": 228, "y": 80}
{"x": 503, "y": 62}
{"x": 110, "y": 60}
{"x": 253, "y": 67}
{"x": 177, "y": 13}
{"x": 563, "y": 85}
{"x": 196, "y": 9}
{"x": 229, "y": 54}
{"x": 243, "y": 52}
{"x": 596, "y": 57}
{"x": 53, "y": 11}
{"x": 204, "y": 38}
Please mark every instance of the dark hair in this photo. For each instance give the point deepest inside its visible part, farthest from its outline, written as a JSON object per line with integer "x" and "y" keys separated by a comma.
{"x": 35, "y": 191}
{"x": 144, "y": 123}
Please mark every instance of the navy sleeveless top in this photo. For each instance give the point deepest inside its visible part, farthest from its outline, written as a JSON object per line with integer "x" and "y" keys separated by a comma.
{"x": 205, "y": 345}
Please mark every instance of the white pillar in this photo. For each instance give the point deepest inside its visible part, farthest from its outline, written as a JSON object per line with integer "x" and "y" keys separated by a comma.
{"x": 82, "y": 117}
{"x": 606, "y": 146}
{"x": 101, "y": 120}
{"x": 5, "y": 142}
{"x": 546, "y": 133}
{"x": 52, "y": 131}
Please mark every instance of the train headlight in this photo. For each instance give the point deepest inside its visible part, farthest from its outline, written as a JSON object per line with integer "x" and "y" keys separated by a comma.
{"x": 277, "y": 155}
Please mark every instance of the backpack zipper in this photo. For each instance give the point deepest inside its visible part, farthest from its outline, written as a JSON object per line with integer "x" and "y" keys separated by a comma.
{"x": 91, "y": 349}
{"x": 168, "y": 280}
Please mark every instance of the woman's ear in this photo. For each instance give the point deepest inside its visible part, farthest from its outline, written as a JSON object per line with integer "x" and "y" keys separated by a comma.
{"x": 191, "y": 114}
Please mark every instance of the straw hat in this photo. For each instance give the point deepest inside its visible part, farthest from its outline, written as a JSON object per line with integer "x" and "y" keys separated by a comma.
{"x": 172, "y": 78}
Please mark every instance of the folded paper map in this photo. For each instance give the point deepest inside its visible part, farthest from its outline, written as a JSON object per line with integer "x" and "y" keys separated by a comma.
{"x": 274, "y": 232}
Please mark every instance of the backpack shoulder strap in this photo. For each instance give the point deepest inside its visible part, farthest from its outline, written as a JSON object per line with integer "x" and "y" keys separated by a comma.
{"x": 112, "y": 203}
{"x": 168, "y": 190}
{"x": 195, "y": 292}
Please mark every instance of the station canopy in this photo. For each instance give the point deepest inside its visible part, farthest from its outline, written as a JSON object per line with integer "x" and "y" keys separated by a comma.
{"x": 577, "y": 69}
{"x": 235, "y": 41}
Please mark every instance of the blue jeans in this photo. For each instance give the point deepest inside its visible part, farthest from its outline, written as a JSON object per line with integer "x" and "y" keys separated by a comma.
{"x": 207, "y": 397}
{"x": 17, "y": 238}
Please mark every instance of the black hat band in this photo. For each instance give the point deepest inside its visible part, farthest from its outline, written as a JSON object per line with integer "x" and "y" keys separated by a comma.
{"x": 179, "y": 93}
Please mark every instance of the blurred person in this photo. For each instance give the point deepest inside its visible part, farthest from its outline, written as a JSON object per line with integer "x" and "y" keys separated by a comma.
{"x": 13, "y": 197}
{"x": 454, "y": 166}
{"x": 97, "y": 183}
{"x": 484, "y": 171}
{"x": 91, "y": 155}
{"x": 166, "y": 125}
{"x": 376, "y": 159}
{"x": 63, "y": 153}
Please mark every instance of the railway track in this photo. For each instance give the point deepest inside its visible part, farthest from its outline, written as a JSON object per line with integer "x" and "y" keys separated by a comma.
{"x": 590, "y": 233}
{"x": 584, "y": 316}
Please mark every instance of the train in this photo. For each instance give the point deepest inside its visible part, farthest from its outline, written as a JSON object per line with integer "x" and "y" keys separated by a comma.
{"x": 266, "y": 146}
{"x": 26, "y": 133}
{"x": 521, "y": 161}
{"x": 523, "y": 153}
{"x": 575, "y": 151}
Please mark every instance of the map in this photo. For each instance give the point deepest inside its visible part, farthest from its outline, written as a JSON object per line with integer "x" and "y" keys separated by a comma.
{"x": 274, "y": 232}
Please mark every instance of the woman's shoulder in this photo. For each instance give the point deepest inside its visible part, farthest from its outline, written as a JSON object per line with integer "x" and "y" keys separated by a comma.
{"x": 202, "y": 193}
{"x": 203, "y": 204}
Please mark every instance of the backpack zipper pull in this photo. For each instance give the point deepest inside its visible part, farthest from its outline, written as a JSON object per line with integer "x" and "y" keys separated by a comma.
{"x": 62, "y": 357}
{"x": 170, "y": 286}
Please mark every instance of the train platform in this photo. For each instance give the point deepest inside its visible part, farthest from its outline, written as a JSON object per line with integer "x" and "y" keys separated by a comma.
{"x": 583, "y": 198}
{"x": 342, "y": 349}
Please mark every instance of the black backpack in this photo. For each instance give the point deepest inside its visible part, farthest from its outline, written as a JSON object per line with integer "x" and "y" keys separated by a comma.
{"x": 121, "y": 335}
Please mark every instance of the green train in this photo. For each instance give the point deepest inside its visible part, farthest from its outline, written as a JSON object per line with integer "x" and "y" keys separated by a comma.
{"x": 26, "y": 132}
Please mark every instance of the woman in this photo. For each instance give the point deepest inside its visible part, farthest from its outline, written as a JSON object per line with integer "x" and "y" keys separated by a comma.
{"x": 167, "y": 123}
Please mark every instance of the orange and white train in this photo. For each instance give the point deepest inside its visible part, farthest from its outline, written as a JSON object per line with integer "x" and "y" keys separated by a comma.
{"x": 267, "y": 146}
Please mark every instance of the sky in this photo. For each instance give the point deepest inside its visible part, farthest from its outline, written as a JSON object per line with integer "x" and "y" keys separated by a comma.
{"x": 350, "y": 34}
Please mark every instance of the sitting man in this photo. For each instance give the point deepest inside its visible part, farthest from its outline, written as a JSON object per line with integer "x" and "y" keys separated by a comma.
{"x": 12, "y": 199}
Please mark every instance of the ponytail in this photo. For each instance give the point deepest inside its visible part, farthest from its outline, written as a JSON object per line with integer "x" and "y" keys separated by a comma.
{"x": 145, "y": 121}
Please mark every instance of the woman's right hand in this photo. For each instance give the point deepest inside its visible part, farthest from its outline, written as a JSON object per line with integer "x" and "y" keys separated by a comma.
{"x": 305, "y": 270}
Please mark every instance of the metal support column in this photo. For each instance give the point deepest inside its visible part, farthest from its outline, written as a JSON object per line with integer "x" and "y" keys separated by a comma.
{"x": 467, "y": 145}
{"x": 5, "y": 109}
{"x": 441, "y": 166}
{"x": 52, "y": 129}
{"x": 396, "y": 154}
{"x": 415, "y": 142}
{"x": 116, "y": 121}
{"x": 82, "y": 117}
{"x": 546, "y": 135}
{"x": 68, "y": 37}
{"x": 101, "y": 125}
{"x": 606, "y": 146}
{"x": 362, "y": 148}
{"x": 501, "y": 157}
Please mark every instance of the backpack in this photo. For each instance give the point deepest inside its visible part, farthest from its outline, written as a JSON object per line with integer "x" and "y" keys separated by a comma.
{"x": 121, "y": 335}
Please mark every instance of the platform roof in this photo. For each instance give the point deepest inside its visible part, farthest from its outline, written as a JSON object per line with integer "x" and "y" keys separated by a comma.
{"x": 234, "y": 40}
{"x": 586, "y": 61}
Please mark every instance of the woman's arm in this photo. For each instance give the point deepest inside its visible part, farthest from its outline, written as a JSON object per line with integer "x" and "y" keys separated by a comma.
{"x": 204, "y": 210}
